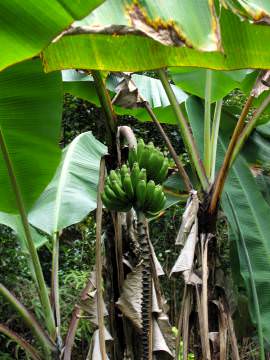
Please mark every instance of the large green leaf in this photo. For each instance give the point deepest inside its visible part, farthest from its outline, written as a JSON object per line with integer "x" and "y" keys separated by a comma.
{"x": 30, "y": 118}
{"x": 14, "y": 222}
{"x": 245, "y": 46}
{"x": 253, "y": 214}
{"x": 222, "y": 82}
{"x": 72, "y": 193}
{"x": 27, "y": 26}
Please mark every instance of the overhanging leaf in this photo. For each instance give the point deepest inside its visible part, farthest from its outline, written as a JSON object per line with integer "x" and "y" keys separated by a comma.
{"x": 72, "y": 193}
{"x": 30, "y": 118}
{"x": 28, "y": 26}
{"x": 245, "y": 46}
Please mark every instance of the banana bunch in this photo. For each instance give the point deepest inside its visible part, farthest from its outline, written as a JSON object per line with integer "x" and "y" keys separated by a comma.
{"x": 125, "y": 189}
{"x": 118, "y": 191}
{"x": 151, "y": 159}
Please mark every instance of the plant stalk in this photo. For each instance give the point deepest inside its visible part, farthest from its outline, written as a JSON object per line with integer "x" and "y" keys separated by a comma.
{"x": 185, "y": 130}
{"x": 106, "y": 105}
{"x": 223, "y": 172}
{"x": 252, "y": 282}
{"x": 207, "y": 123}
{"x": 180, "y": 167}
{"x": 100, "y": 309}
{"x": 249, "y": 127}
{"x": 42, "y": 289}
{"x": 214, "y": 138}
{"x": 55, "y": 287}
{"x": 29, "y": 319}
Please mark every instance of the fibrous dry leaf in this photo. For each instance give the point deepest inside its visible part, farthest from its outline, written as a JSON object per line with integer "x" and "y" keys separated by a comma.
{"x": 159, "y": 270}
{"x": 188, "y": 218}
{"x": 130, "y": 300}
{"x": 184, "y": 263}
{"x": 159, "y": 343}
{"x": 94, "y": 351}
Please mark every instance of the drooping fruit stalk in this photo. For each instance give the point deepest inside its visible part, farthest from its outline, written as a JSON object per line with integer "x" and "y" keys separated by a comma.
{"x": 146, "y": 303}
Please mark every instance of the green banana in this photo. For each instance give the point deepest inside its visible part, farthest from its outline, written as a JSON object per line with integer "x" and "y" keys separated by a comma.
{"x": 140, "y": 194}
{"x": 140, "y": 148}
{"x": 135, "y": 172}
{"x": 157, "y": 200}
{"x": 106, "y": 201}
{"x": 127, "y": 185}
{"x": 150, "y": 188}
{"x": 144, "y": 159}
{"x": 114, "y": 176}
{"x": 117, "y": 189}
{"x": 132, "y": 156}
{"x": 123, "y": 171}
{"x": 163, "y": 171}
{"x": 111, "y": 194}
{"x": 151, "y": 146}
{"x": 142, "y": 175}
{"x": 154, "y": 165}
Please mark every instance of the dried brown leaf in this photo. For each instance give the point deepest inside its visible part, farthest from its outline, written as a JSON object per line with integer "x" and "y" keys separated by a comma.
{"x": 130, "y": 300}
{"x": 158, "y": 267}
{"x": 127, "y": 94}
{"x": 184, "y": 263}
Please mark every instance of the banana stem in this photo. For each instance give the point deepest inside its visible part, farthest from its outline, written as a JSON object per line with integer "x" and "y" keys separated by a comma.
{"x": 186, "y": 133}
{"x": 249, "y": 127}
{"x": 207, "y": 123}
{"x": 214, "y": 138}
{"x": 100, "y": 309}
{"x": 55, "y": 287}
{"x": 223, "y": 172}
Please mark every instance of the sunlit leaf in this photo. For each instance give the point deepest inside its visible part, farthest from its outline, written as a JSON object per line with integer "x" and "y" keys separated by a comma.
{"x": 72, "y": 193}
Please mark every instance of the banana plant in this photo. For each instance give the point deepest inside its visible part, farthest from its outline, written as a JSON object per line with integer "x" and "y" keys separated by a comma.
{"x": 233, "y": 35}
